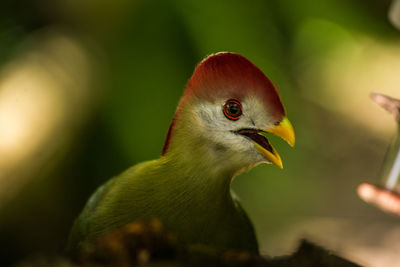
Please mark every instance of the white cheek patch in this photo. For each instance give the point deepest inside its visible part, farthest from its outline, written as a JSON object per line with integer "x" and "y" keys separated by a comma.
{"x": 219, "y": 129}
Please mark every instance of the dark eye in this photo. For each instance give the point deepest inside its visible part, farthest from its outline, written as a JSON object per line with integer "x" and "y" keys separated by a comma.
{"x": 232, "y": 109}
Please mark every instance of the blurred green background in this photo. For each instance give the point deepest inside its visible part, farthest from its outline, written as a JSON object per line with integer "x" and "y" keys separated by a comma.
{"x": 88, "y": 88}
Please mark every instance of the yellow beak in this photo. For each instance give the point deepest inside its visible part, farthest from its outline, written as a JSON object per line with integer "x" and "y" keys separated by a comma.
{"x": 285, "y": 131}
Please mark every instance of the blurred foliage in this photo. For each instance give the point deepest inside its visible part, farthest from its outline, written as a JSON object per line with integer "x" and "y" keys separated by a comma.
{"x": 141, "y": 53}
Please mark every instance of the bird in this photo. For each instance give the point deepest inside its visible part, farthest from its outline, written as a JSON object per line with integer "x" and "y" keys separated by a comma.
{"x": 220, "y": 129}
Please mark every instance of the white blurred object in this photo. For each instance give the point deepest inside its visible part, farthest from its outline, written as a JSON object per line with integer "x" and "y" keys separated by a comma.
{"x": 394, "y": 13}
{"x": 46, "y": 93}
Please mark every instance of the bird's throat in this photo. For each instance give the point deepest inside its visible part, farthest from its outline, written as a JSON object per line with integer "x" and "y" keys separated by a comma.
{"x": 200, "y": 200}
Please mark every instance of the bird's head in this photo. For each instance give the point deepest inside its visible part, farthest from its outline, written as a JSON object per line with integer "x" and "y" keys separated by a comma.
{"x": 227, "y": 111}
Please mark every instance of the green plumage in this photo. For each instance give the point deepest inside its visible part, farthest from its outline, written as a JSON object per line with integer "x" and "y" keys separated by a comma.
{"x": 198, "y": 208}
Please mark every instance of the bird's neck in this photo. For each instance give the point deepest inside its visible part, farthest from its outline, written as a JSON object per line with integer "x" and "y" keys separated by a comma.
{"x": 199, "y": 174}
{"x": 199, "y": 206}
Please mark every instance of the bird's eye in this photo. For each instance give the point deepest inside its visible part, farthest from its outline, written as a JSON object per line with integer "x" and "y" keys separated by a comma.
{"x": 232, "y": 109}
